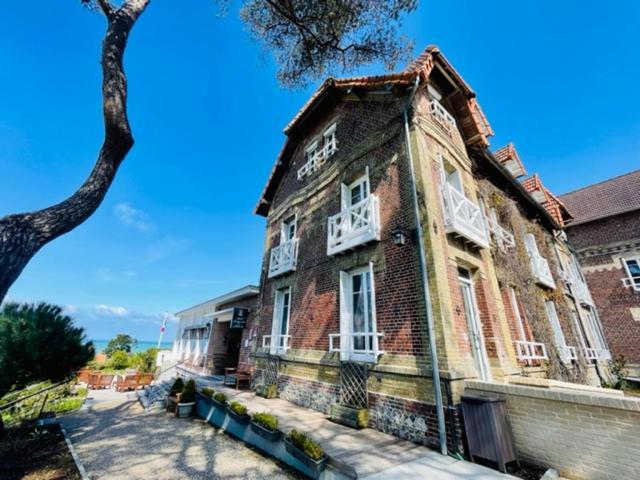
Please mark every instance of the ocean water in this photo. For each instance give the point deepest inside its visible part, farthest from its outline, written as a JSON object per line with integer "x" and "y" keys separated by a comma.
{"x": 100, "y": 345}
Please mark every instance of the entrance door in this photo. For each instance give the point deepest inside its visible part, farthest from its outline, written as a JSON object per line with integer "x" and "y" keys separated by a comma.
{"x": 473, "y": 325}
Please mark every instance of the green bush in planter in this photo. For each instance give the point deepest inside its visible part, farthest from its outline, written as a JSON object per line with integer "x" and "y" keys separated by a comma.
{"x": 208, "y": 392}
{"x": 238, "y": 408}
{"x": 188, "y": 392}
{"x": 266, "y": 420}
{"x": 306, "y": 444}
{"x": 177, "y": 386}
{"x": 220, "y": 397}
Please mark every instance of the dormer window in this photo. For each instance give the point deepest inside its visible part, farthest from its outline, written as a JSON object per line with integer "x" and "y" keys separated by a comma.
{"x": 318, "y": 151}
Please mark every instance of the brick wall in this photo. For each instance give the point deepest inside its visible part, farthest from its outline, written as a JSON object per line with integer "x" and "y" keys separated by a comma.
{"x": 581, "y": 434}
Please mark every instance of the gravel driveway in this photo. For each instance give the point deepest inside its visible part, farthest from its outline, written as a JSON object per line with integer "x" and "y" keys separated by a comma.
{"x": 116, "y": 439}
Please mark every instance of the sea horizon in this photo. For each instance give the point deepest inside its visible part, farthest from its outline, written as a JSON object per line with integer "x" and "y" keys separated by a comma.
{"x": 141, "y": 346}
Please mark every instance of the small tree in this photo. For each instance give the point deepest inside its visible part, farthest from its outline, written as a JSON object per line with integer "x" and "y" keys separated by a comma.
{"x": 119, "y": 360}
{"x": 145, "y": 362}
{"x": 121, "y": 342}
{"x": 37, "y": 343}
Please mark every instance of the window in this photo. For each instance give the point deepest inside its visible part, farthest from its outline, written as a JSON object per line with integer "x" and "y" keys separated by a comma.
{"x": 632, "y": 267}
{"x": 280, "y": 323}
{"x": 567, "y": 353}
{"x": 516, "y": 313}
{"x": 358, "y": 335}
{"x": 474, "y": 326}
{"x": 288, "y": 231}
{"x": 318, "y": 151}
{"x": 539, "y": 264}
{"x": 356, "y": 192}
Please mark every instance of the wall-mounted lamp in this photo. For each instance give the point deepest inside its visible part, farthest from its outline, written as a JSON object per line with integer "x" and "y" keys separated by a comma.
{"x": 399, "y": 237}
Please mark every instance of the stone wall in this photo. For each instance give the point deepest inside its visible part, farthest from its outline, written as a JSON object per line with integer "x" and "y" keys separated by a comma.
{"x": 581, "y": 433}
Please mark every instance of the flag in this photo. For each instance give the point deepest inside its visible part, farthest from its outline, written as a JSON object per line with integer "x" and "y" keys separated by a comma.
{"x": 164, "y": 324}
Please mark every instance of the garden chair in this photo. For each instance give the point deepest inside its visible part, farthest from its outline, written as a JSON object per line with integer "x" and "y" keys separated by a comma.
{"x": 94, "y": 380}
{"x": 144, "y": 380}
{"x": 83, "y": 375}
{"x": 243, "y": 379}
{"x": 127, "y": 382}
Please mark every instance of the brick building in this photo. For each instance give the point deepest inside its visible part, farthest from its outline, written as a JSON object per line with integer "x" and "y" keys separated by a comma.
{"x": 605, "y": 231}
{"x": 206, "y": 341}
{"x": 400, "y": 250}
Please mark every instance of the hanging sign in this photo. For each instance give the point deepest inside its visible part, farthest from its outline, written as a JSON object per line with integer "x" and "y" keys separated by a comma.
{"x": 239, "y": 318}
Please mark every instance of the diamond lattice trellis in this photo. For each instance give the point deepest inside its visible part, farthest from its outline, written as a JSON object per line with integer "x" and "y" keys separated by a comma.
{"x": 353, "y": 385}
{"x": 270, "y": 372}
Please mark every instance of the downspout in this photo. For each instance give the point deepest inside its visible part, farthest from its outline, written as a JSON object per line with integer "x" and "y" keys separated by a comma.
{"x": 425, "y": 282}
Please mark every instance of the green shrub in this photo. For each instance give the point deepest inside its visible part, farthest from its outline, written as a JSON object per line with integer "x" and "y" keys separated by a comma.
{"x": 266, "y": 420}
{"x": 145, "y": 362}
{"x": 81, "y": 391}
{"x": 119, "y": 360}
{"x": 188, "y": 392}
{"x": 618, "y": 369}
{"x": 177, "y": 387}
{"x": 238, "y": 408}
{"x": 306, "y": 444}
{"x": 67, "y": 405}
{"x": 220, "y": 397}
{"x": 208, "y": 392}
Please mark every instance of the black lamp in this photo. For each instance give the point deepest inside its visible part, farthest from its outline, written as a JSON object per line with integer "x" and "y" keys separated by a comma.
{"x": 398, "y": 235}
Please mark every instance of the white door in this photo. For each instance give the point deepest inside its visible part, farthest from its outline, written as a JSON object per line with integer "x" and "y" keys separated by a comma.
{"x": 473, "y": 323}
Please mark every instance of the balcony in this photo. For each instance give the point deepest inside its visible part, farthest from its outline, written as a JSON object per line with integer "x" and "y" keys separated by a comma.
{"x": 632, "y": 282}
{"x": 276, "y": 344}
{"x": 567, "y": 353}
{"x": 317, "y": 159}
{"x": 503, "y": 239}
{"x": 528, "y": 351}
{"x": 354, "y": 226}
{"x": 283, "y": 258}
{"x": 443, "y": 118}
{"x": 541, "y": 271}
{"x": 598, "y": 354}
{"x": 462, "y": 217}
{"x": 368, "y": 350}
{"x": 579, "y": 288}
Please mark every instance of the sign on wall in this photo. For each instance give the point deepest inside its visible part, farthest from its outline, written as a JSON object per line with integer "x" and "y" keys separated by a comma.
{"x": 240, "y": 316}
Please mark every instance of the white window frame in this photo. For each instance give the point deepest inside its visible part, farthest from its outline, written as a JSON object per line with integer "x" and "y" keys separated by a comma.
{"x": 286, "y": 226}
{"x": 630, "y": 281}
{"x": 346, "y": 316}
{"x": 558, "y": 335}
{"x": 275, "y": 346}
{"x": 474, "y": 325}
{"x": 318, "y": 151}
{"x": 345, "y": 190}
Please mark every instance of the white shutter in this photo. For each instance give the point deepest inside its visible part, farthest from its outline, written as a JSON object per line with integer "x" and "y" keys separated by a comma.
{"x": 552, "y": 315}
{"x": 346, "y": 309}
{"x": 374, "y": 319}
{"x": 345, "y": 197}
{"x": 531, "y": 245}
{"x": 275, "y": 322}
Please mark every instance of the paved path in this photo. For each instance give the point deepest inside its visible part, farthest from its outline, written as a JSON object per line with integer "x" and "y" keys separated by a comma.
{"x": 370, "y": 453}
{"x": 116, "y": 439}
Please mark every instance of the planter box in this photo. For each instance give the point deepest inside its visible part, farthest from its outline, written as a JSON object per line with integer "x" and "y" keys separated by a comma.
{"x": 267, "y": 391}
{"x": 217, "y": 404}
{"x": 351, "y": 417}
{"x": 270, "y": 435}
{"x": 241, "y": 419}
{"x": 185, "y": 409}
{"x": 203, "y": 398}
{"x": 316, "y": 466}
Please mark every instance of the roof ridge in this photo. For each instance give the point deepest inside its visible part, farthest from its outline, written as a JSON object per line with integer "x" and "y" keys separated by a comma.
{"x": 601, "y": 182}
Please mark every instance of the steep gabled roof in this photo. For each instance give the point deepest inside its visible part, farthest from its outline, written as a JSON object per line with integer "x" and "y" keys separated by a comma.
{"x": 508, "y": 156}
{"x": 605, "y": 199}
{"x": 420, "y": 68}
{"x": 548, "y": 200}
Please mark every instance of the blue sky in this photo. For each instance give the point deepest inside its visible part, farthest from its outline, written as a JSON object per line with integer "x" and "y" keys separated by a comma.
{"x": 557, "y": 78}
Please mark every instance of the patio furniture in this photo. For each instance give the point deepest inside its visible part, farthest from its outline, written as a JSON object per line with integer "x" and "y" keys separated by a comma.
{"x": 127, "y": 382}
{"x": 144, "y": 380}
{"x": 243, "y": 379}
{"x": 102, "y": 381}
{"x": 94, "y": 379}
{"x": 83, "y": 375}
{"x": 229, "y": 376}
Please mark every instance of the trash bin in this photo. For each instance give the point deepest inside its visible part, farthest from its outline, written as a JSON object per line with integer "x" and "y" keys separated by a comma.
{"x": 489, "y": 434}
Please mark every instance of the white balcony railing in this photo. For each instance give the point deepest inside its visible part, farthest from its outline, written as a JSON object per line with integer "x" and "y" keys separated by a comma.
{"x": 283, "y": 258}
{"x": 632, "y": 282}
{"x": 567, "y": 353}
{"x": 463, "y": 217}
{"x": 527, "y": 351}
{"x": 541, "y": 270}
{"x": 598, "y": 354}
{"x": 354, "y": 226}
{"x": 358, "y": 346}
{"x": 578, "y": 287}
{"x": 502, "y": 237}
{"x": 443, "y": 117}
{"x": 276, "y": 344}
{"x": 317, "y": 159}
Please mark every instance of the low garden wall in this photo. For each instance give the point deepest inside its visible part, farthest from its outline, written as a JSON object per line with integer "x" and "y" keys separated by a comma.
{"x": 581, "y": 433}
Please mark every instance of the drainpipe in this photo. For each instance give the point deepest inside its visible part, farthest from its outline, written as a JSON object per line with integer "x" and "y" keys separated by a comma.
{"x": 425, "y": 283}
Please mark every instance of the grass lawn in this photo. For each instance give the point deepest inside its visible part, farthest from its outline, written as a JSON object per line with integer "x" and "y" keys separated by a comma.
{"x": 36, "y": 454}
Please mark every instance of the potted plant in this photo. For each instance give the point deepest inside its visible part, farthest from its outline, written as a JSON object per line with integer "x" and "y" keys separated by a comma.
{"x": 266, "y": 425}
{"x": 267, "y": 391}
{"x": 174, "y": 393}
{"x": 303, "y": 448}
{"x": 187, "y": 399}
{"x": 219, "y": 399}
{"x": 238, "y": 412}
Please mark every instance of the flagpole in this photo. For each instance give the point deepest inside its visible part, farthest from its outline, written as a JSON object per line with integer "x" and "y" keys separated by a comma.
{"x": 164, "y": 324}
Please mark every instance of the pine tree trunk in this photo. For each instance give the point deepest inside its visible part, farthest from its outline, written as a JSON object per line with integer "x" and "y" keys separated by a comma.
{"x": 22, "y": 235}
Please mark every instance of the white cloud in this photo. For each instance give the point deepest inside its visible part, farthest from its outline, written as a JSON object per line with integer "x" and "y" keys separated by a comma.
{"x": 133, "y": 217}
{"x": 109, "y": 311}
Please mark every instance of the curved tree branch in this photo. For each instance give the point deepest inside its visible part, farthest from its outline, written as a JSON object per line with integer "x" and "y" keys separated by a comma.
{"x": 22, "y": 235}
